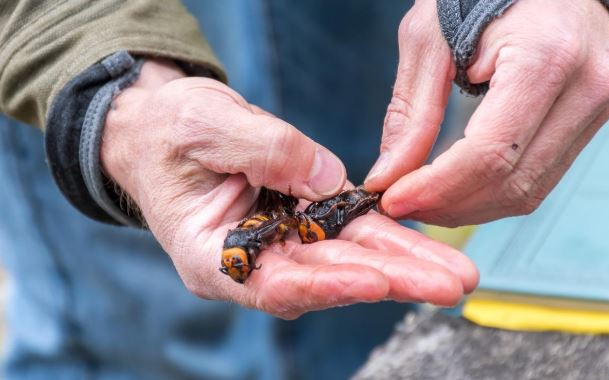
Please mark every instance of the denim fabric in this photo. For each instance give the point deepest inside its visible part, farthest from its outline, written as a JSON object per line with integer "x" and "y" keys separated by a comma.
{"x": 93, "y": 301}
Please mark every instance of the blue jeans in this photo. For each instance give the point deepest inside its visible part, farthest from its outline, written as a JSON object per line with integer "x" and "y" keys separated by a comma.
{"x": 92, "y": 301}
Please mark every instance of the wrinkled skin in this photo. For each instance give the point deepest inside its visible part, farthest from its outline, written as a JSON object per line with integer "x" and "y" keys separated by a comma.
{"x": 188, "y": 151}
{"x": 548, "y": 66}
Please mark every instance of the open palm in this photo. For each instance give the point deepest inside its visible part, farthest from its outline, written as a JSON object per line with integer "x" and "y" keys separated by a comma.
{"x": 192, "y": 154}
{"x": 373, "y": 259}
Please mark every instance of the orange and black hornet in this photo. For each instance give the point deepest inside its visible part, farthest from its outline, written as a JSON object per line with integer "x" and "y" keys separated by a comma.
{"x": 325, "y": 219}
{"x": 243, "y": 243}
{"x": 319, "y": 221}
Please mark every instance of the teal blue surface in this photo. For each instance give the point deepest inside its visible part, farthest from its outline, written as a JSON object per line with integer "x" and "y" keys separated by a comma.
{"x": 560, "y": 250}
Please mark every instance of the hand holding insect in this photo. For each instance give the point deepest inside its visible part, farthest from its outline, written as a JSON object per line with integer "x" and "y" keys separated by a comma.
{"x": 319, "y": 221}
{"x": 548, "y": 96}
{"x": 188, "y": 151}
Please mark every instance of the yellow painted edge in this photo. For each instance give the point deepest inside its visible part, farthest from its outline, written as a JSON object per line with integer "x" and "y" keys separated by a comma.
{"x": 528, "y": 317}
{"x": 455, "y": 237}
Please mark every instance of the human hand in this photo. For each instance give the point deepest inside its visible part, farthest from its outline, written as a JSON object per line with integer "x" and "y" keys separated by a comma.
{"x": 187, "y": 151}
{"x": 547, "y": 62}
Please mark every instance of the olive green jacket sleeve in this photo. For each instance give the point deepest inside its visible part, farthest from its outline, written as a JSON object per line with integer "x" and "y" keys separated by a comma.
{"x": 45, "y": 43}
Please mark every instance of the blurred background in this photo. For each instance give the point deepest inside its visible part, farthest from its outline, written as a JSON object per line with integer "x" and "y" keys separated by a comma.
{"x": 327, "y": 67}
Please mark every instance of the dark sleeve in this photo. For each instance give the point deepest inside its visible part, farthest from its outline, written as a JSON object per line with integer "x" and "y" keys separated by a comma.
{"x": 73, "y": 136}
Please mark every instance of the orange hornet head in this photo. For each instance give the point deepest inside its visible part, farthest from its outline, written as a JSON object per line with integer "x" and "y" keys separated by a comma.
{"x": 236, "y": 263}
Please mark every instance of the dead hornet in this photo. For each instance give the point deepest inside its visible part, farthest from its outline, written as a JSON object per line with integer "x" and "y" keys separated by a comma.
{"x": 243, "y": 243}
{"x": 319, "y": 221}
{"x": 325, "y": 219}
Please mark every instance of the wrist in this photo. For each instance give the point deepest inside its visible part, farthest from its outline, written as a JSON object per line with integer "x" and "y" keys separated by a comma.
{"x": 124, "y": 139}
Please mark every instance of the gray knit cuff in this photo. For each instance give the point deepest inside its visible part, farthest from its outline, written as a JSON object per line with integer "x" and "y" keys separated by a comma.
{"x": 123, "y": 70}
{"x": 463, "y": 22}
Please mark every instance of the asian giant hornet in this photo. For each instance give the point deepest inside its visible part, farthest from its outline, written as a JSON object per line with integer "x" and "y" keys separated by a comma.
{"x": 243, "y": 243}
{"x": 319, "y": 221}
{"x": 325, "y": 219}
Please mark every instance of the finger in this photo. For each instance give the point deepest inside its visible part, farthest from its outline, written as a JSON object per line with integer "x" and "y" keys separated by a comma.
{"x": 288, "y": 289}
{"x": 473, "y": 211}
{"x": 571, "y": 155}
{"x": 380, "y": 233}
{"x": 410, "y": 278}
{"x": 539, "y": 170}
{"x": 420, "y": 95}
{"x": 281, "y": 286}
{"x": 522, "y": 92}
{"x": 230, "y": 137}
{"x": 280, "y": 157}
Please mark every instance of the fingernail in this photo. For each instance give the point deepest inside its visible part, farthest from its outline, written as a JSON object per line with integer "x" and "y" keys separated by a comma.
{"x": 379, "y": 167}
{"x": 381, "y": 209}
{"x": 328, "y": 173}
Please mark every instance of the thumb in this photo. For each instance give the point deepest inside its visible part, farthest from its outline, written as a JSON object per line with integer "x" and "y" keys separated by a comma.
{"x": 274, "y": 154}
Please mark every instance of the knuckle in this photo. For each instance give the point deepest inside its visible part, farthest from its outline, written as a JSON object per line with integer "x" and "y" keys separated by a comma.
{"x": 414, "y": 28}
{"x": 564, "y": 58}
{"x": 400, "y": 105}
{"x": 186, "y": 132}
{"x": 403, "y": 119}
{"x": 552, "y": 60}
{"x": 408, "y": 27}
{"x": 560, "y": 55}
{"x": 399, "y": 111}
{"x": 523, "y": 193}
{"x": 518, "y": 189}
{"x": 498, "y": 160}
